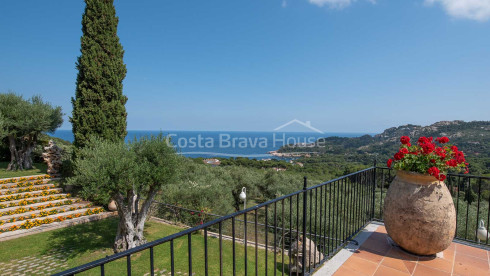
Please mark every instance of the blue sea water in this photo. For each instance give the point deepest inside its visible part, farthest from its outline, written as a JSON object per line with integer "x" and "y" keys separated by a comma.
{"x": 249, "y": 144}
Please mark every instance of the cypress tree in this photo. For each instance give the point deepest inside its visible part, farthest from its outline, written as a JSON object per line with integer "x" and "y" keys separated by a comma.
{"x": 98, "y": 106}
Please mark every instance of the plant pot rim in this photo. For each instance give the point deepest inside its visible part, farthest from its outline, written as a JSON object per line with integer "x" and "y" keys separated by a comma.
{"x": 417, "y": 178}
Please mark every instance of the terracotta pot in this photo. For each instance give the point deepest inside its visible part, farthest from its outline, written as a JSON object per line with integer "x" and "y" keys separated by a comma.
{"x": 112, "y": 206}
{"x": 419, "y": 213}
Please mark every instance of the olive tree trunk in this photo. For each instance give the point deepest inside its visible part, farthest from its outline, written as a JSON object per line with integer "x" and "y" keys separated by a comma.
{"x": 20, "y": 153}
{"x": 15, "y": 156}
{"x": 131, "y": 220}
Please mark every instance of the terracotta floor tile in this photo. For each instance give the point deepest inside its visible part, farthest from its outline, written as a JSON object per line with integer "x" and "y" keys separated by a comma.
{"x": 422, "y": 270}
{"x": 376, "y": 246}
{"x": 345, "y": 271}
{"x": 361, "y": 265}
{"x": 379, "y": 236}
{"x": 448, "y": 254}
{"x": 393, "y": 260}
{"x": 381, "y": 229}
{"x": 410, "y": 266}
{"x": 370, "y": 256}
{"x": 452, "y": 246}
{"x": 467, "y": 260}
{"x": 388, "y": 271}
{"x": 437, "y": 263}
{"x": 378, "y": 257}
{"x": 399, "y": 253}
{"x": 468, "y": 270}
{"x": 472, "y": 251}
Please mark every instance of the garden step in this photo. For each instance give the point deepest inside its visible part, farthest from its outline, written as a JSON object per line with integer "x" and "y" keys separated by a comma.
{"x": 55, "y": 225}
{"x": 81, "y": 212}
{"x": 19, "y": 189}
{"x": 43, "y": 199}
{"x": 26, "y": 183}
{"x": 66, "y": 208}
{"x": 26, "y": 177}
{"x": 26, "y": 195}
{"x": 40, "y": 204}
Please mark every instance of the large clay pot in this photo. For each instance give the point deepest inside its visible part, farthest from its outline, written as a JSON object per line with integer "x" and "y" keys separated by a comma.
{"x": 112, "y": 206}
{"x": 419, "y": 213}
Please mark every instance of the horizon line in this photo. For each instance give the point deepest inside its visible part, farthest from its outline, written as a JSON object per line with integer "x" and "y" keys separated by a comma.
{"x": 270, "y": 131}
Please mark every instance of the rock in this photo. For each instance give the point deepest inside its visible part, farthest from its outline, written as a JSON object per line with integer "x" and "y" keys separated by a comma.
{"x": 52, "y": 156}
{"x": 313, "y": 255}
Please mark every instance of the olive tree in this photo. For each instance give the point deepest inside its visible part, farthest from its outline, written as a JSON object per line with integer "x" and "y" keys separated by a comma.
{"x": 23, "y": 121}
{"x": 131, "y": 175}
{"x": 3, "y": 129}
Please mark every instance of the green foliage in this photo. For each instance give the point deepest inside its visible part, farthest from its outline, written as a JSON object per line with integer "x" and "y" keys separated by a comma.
{"x": 105, "y": 169}
{"x": 92, "y": 241}
{"x": 98, "y": 106}
{"x": 37, "y": 168}
{"x": 201, "y": 187}
{"x": 216, "y": 189}
{"x": 3, "y": 127}
{"x": 471, "y": 137}
{"x": 470, "y": 196}
{"x": 24, "y": 121}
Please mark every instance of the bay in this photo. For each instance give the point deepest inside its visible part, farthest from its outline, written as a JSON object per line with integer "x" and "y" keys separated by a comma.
{"x": 206, "y": 144}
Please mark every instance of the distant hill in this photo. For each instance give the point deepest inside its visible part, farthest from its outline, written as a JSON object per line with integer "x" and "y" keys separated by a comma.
{"x": 473, "y": 138}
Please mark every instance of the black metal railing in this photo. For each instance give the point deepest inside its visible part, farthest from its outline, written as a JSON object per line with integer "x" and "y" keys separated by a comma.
{"x": 272, "y": 238}
{"x": 315, "y": 221}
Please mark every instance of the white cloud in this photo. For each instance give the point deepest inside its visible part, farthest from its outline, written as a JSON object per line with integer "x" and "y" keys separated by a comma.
{"x": 469, "y": 9}
{"x": 336, "y": 4}
{"x": 284, "y": 3}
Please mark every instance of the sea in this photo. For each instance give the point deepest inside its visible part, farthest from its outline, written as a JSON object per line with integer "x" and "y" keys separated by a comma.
{"x": 207, "y": 144}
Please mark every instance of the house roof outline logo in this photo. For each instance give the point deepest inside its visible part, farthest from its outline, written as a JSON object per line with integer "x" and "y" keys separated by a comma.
{"x": 306, "y": 124}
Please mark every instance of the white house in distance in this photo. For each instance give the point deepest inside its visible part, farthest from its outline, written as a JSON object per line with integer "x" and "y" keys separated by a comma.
{"x": 212, "y": 161}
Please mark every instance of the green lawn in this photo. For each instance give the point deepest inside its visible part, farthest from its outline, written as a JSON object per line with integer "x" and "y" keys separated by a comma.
{"x": 92, "y": 241}
{"x": 39, "y": 168}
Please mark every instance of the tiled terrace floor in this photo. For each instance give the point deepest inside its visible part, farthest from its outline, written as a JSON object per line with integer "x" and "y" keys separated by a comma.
{"x": 376, "y": 256}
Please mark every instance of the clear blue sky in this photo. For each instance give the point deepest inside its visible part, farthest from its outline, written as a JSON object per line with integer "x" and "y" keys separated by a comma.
{"x": 344, "y": 65}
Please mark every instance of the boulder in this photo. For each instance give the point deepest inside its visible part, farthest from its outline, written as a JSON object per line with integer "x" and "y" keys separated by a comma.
{"x": 313, "y": 255}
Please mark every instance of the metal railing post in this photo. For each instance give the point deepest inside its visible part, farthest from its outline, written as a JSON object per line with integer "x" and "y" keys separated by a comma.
{"x": 374, "y": 190}
{"x": 305, "y": 196}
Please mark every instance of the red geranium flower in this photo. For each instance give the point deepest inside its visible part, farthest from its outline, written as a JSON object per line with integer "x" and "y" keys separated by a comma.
{"x": 423, "y": 140}
{"x": 434, "y": 171}
{"x": 399, "y": 156}
{"x": 440, "y": 151}
{"x": 452, "y": 163}
{"x": 442, "y": 140}
{"x": 405, "y": 140}
{"x": 428, "y": 158}
{"x": 459, "y": 156}
{"x": 427, "y": 148}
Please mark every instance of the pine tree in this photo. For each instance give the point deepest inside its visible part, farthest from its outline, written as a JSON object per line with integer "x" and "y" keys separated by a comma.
{"x": 98, "y": 106}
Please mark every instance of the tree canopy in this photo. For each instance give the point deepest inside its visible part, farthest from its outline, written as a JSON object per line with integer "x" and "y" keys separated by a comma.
{"x": 126, "y": 173}
{"x": 98, "y": 106}
{"x": 22, "y": 121}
